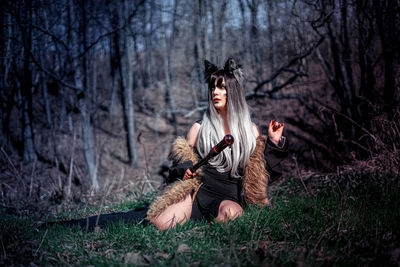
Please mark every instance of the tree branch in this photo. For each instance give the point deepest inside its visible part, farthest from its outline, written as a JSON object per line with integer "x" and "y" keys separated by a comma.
{"x": 285, "y": 68}
{"x": 127, "y": 22}
{"x": 312, "y": 109}
{"x": 54, "y": 76}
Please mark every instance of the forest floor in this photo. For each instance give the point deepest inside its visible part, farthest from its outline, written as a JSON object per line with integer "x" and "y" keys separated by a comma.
{"x": 349, "y": 217}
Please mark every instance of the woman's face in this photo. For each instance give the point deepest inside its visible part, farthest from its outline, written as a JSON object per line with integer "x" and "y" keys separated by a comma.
{"x": 219, "y": 96}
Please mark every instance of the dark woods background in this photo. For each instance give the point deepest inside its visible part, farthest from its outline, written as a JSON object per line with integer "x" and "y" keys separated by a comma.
{"x": 93, "y": 92}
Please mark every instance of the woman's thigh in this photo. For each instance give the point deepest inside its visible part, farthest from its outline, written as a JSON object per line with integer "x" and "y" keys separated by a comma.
{"x": 228, "y": 210}
{"x": 176, "y": 213}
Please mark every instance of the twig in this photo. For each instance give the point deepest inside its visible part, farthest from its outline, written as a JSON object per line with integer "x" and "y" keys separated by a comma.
{"x": 41, "y": 242}
{"x": 13, "y": 167}
{"x": 323, "y": 234}
{"x": 355, "y": 123}
{"x": 275, "y": 198}
{"x": 254, "y": 228}
{"x": 121, "y": 177}
{"x": 231, "y": 247}
{"x": 110, "y": 185}
{"x": 146, "y": 169}
{"x": 298, "y": 173}
{"x": 71, "y": 165}
{"x": 267, "y": 221}
{"x": 286, "y": 66}
{"x": 304, "y": 185}
{"x": 342, "y": 204}
{"x": 199, "y": 109}
{"x": 33, "y": 171}
{"x": 4, "y": 249}
{"x": 58, "y": 174}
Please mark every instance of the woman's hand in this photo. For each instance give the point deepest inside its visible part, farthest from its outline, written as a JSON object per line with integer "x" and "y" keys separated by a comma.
{"x": 188, "y": 175}
{"x": 275, "y": 130}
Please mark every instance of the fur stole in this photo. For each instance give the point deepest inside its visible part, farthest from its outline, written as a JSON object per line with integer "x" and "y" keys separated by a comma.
{"x": 255, "y": 178}
{"x": 181, "y": 151}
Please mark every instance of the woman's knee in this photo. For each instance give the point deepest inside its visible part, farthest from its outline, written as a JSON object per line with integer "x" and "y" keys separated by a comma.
{"x": 229, "y": 210}
{"x": 176, "y": 213}
{"x": 165, "y": 221}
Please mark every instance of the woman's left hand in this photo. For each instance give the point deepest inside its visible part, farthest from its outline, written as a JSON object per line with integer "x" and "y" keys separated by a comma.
{"x": 275, "y": 130}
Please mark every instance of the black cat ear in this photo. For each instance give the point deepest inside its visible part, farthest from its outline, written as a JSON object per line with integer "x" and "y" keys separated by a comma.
{"x": 233, "y": 68}
{"x": 230, "y": 65}
{"x": 209, "y": 69}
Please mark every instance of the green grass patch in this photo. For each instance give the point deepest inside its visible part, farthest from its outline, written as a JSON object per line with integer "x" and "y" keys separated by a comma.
{"x": 334, "y": 225}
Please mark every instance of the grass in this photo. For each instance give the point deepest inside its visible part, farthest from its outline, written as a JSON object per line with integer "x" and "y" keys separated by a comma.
{"x": 311, "y": 223}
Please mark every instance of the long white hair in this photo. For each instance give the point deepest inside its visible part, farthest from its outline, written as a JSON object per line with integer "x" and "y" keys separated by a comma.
{"x": 240, "y": 125}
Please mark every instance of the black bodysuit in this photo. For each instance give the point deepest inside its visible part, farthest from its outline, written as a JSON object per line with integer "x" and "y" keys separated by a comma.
{"x": 221, "y": 186}
{"x": 216, "y": 188}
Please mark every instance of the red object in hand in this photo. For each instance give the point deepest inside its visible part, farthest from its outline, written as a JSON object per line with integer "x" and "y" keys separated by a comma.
{"x": 275, "y": 125}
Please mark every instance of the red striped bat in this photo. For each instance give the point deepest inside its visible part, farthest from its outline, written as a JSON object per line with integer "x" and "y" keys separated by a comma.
{"x": 218, "y": 148}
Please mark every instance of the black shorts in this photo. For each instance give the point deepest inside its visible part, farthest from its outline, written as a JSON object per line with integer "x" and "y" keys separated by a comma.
{"x": 206, "y": 206}
{"x": 216, "y": 188}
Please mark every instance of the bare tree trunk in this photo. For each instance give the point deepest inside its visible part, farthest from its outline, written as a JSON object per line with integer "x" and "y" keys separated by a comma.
{"x": 222, "y": 28}
{"x": 93, "y": 85}
{"x": 339, "y": 74}
{"x": 63, "y": 109}
{"x": 26, "y": 87}
{"x": 3, "y": 62}
{"x": 124, "y": 54}
{"x": 114, "y": 63}
{"x": 148, "y": 18}
{"x": 80, "y": 77}
{"x": 346, "y": 61}
{"x": 167, "y": 71}
{"x": 138, "y": 68}
{"x": 214, "y": 43}
{"x": 218, "y": 15}
{"x": 271, "y": 24}
{"x": 29, "y": 150}
{"x": 129, "y": 110}
{"x": 197, "y": 75}
{"x": 204, "y": 29}
{"x": 388, "y": 35}
{"x": 196, "y": 52}
{"x": 43, "y": 78}
{"x": 365, "y": 27}
{"x": 244, "y": 30}
{"x": 46, "y": 101}
{"x": 254, "y": 38}
{"x": 7, "y": 61}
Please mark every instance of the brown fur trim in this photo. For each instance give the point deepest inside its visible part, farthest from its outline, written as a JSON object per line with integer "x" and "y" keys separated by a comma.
{"x": 172, "y": 195}
{"x": 181, "y": 151}
{"x": 255, "y": 180}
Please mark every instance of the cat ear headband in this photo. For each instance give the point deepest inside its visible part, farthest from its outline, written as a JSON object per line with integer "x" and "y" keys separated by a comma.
{"x": 230, "y": 67}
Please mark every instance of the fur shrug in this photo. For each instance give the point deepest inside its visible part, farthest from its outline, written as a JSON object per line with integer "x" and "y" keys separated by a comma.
{"x": 255, "y": 179}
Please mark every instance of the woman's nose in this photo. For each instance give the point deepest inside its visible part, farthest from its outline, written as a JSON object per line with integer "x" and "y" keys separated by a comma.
{"x": 217, "y": 90}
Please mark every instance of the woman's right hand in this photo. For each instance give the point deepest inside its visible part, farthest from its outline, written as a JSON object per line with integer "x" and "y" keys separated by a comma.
{"x": 188, "y": 175}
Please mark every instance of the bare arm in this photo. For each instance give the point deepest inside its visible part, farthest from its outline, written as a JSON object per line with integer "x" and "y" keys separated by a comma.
{"x": 192, "y": 140}
{"x": 255, "y": 130}
{"x": 193, "y": 135}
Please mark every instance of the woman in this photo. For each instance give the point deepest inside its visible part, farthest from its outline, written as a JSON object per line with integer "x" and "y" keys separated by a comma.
{"x": 233, "y": 178}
